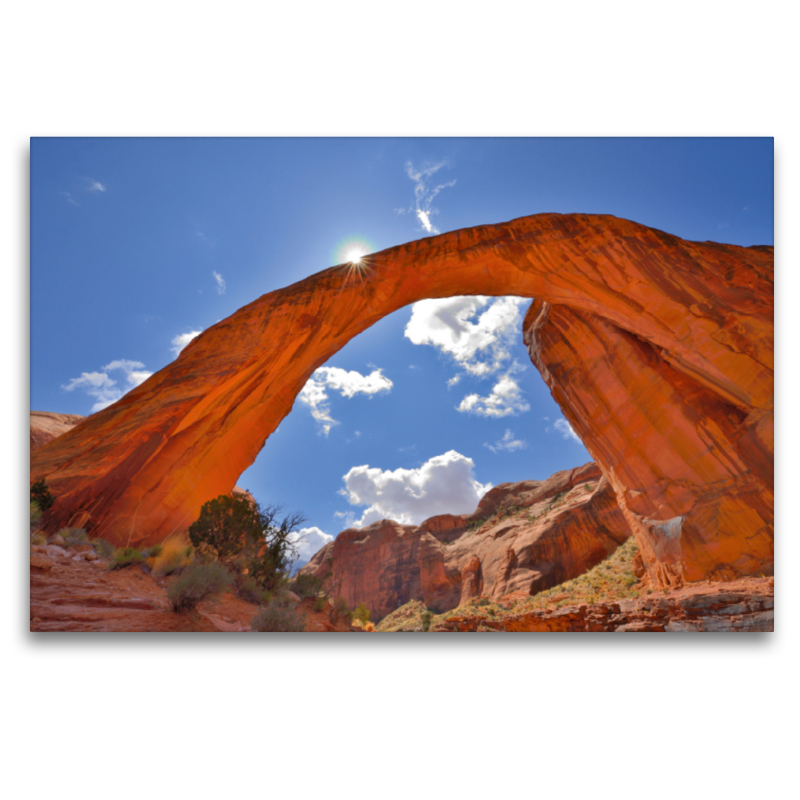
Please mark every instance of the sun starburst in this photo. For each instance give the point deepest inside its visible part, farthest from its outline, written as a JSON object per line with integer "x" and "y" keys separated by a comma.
{"x": 353, "y": 256}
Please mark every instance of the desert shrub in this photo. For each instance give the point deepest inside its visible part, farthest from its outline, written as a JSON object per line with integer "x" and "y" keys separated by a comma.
{"x": 41, "y": 495}
{"x": 103, "y": 548}
{"x": 73, "y": 536}
{"x": 154, "y": 551}
{"x": 319, "y": 603}
{"x": 277, "y": 616}
{"x": 427, "y": 617}
{"x": 249, "y": 590}
{"x": 176, "y": 553}
{"x": 126, "y": 557}
{"x": 361, "y": 613}
{"x": 339, "y": 610}
{"x": 36, "y": 515}
{"x": 305, "y": 585}
{"x": 197, "y": 583}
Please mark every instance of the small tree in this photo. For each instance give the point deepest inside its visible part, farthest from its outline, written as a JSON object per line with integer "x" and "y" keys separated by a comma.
{"x": 248, "y": 537}
{"x": 226, "y": 525}
{"x": 40, "y": 494}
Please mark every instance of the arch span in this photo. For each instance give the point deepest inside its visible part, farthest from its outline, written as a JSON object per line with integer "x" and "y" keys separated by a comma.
{"x": 658, "y": 350}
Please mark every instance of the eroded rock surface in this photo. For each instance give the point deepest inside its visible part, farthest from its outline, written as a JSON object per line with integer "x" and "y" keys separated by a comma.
{"x": 524, "y": 537}
{"x": 746, "y": 606}
{"x": 672, "y": 339}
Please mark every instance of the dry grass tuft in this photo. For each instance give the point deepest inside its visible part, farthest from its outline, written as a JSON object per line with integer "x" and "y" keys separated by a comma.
{"x": 176, "y": 553}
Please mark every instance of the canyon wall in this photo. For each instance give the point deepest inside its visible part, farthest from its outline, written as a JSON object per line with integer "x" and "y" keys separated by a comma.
{"x": 523, "y": 538}
{"x": 699, "y": 316}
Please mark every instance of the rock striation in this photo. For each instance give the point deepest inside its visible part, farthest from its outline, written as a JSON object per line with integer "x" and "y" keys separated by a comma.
{"x": 523, "y": 537}
{"x": 659, "y": 351}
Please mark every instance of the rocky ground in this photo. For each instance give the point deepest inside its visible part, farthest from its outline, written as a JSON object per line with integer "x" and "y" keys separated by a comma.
{"x": 73, "y": 590}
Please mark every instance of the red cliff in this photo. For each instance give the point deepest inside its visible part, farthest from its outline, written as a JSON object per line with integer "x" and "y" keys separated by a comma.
{"x": 523, "y": 537}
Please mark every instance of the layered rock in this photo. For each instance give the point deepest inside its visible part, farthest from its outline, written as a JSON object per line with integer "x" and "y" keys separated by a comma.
{"x": 695, "y": 317}
{"x": 523, "y": 537}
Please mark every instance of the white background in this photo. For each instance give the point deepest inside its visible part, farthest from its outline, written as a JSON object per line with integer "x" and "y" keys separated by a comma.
{"x": 370, "y": 716}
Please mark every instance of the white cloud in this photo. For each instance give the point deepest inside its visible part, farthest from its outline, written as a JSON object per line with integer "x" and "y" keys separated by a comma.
{"x": 95, "y": 186}
{"x": 309, "y": 542}
{"x": 479, "y": 343}
{"x": 505, "y": 399}
{"x": 507, "y": 443}
{"x": 444, "y": 484}
{"x": 181, "y": 340}
{"x": 424, "y": 194}
{"x": 314, "y": 394}
{"x": 106, "y": 390}
{"x": 220, "y": 282}
{"x": 565, "y": 429}
{"x": 70, "y": 198}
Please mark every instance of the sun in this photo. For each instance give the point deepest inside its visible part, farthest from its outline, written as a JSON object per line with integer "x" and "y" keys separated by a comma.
{"x": 352, "y": 250}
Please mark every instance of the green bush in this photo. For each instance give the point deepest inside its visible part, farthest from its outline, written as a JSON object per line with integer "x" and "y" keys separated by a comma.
{"x": 277, "y": 616}
{"x": 427, "y": 618}
{"x": 103, "y": 548}
{"x": 154, "y": 551}
{"x": 248, "y": 589}
{"x": 305, "y": 585}
{"x": 73, "y": 536}
{"x": 361, "y": 613}
{"x": 197, "y": 583}
{"x": 126, "y": 557}
{"x": 41, "y": 495}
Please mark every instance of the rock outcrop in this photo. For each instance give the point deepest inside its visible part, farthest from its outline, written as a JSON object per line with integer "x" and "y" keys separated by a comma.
{"x": 674, "y": 338}
{"x": 46, "y": 426}
{"x": 523, "y": 537}
{"x": 743, "y": 606}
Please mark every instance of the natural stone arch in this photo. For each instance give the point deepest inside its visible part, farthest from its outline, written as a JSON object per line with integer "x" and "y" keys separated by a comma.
{"x": 695, "y": 319}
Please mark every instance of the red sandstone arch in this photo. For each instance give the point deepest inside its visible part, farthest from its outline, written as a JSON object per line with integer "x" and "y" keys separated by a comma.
{"x": 659, "y": 351}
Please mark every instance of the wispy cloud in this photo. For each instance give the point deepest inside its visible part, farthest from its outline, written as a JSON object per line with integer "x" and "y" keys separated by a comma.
{"x": 314, "y": 394}
{"x": 424, "y": 193}
{"x": 508, "y": 443}
{"x": 181, "y": 340}
{"x": 104, "y": 389}
{"x": 94, "y": 186}
{"x": 220, "y": 282}
{"x": 70, "y": 198}
{"x": 565, "y": 429}
{"x": 505, "y": 400}
{"x": 444, "y": 484}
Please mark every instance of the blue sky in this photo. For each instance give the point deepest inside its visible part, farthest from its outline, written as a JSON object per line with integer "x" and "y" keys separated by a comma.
{"x": 136, "y": 244}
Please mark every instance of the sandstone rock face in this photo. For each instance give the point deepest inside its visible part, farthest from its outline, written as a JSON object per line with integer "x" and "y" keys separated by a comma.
{"x": 674, "y": 338}
{"x": 46, "y": 426}
{"x": 692, "y": 468}
{"x": 523, "y": 537}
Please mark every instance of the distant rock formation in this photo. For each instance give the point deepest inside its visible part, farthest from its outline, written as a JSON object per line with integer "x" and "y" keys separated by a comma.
{"x": 523, "y": 537}
{"x": 658, "y": 350}
{"x": 46, "y": 426}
